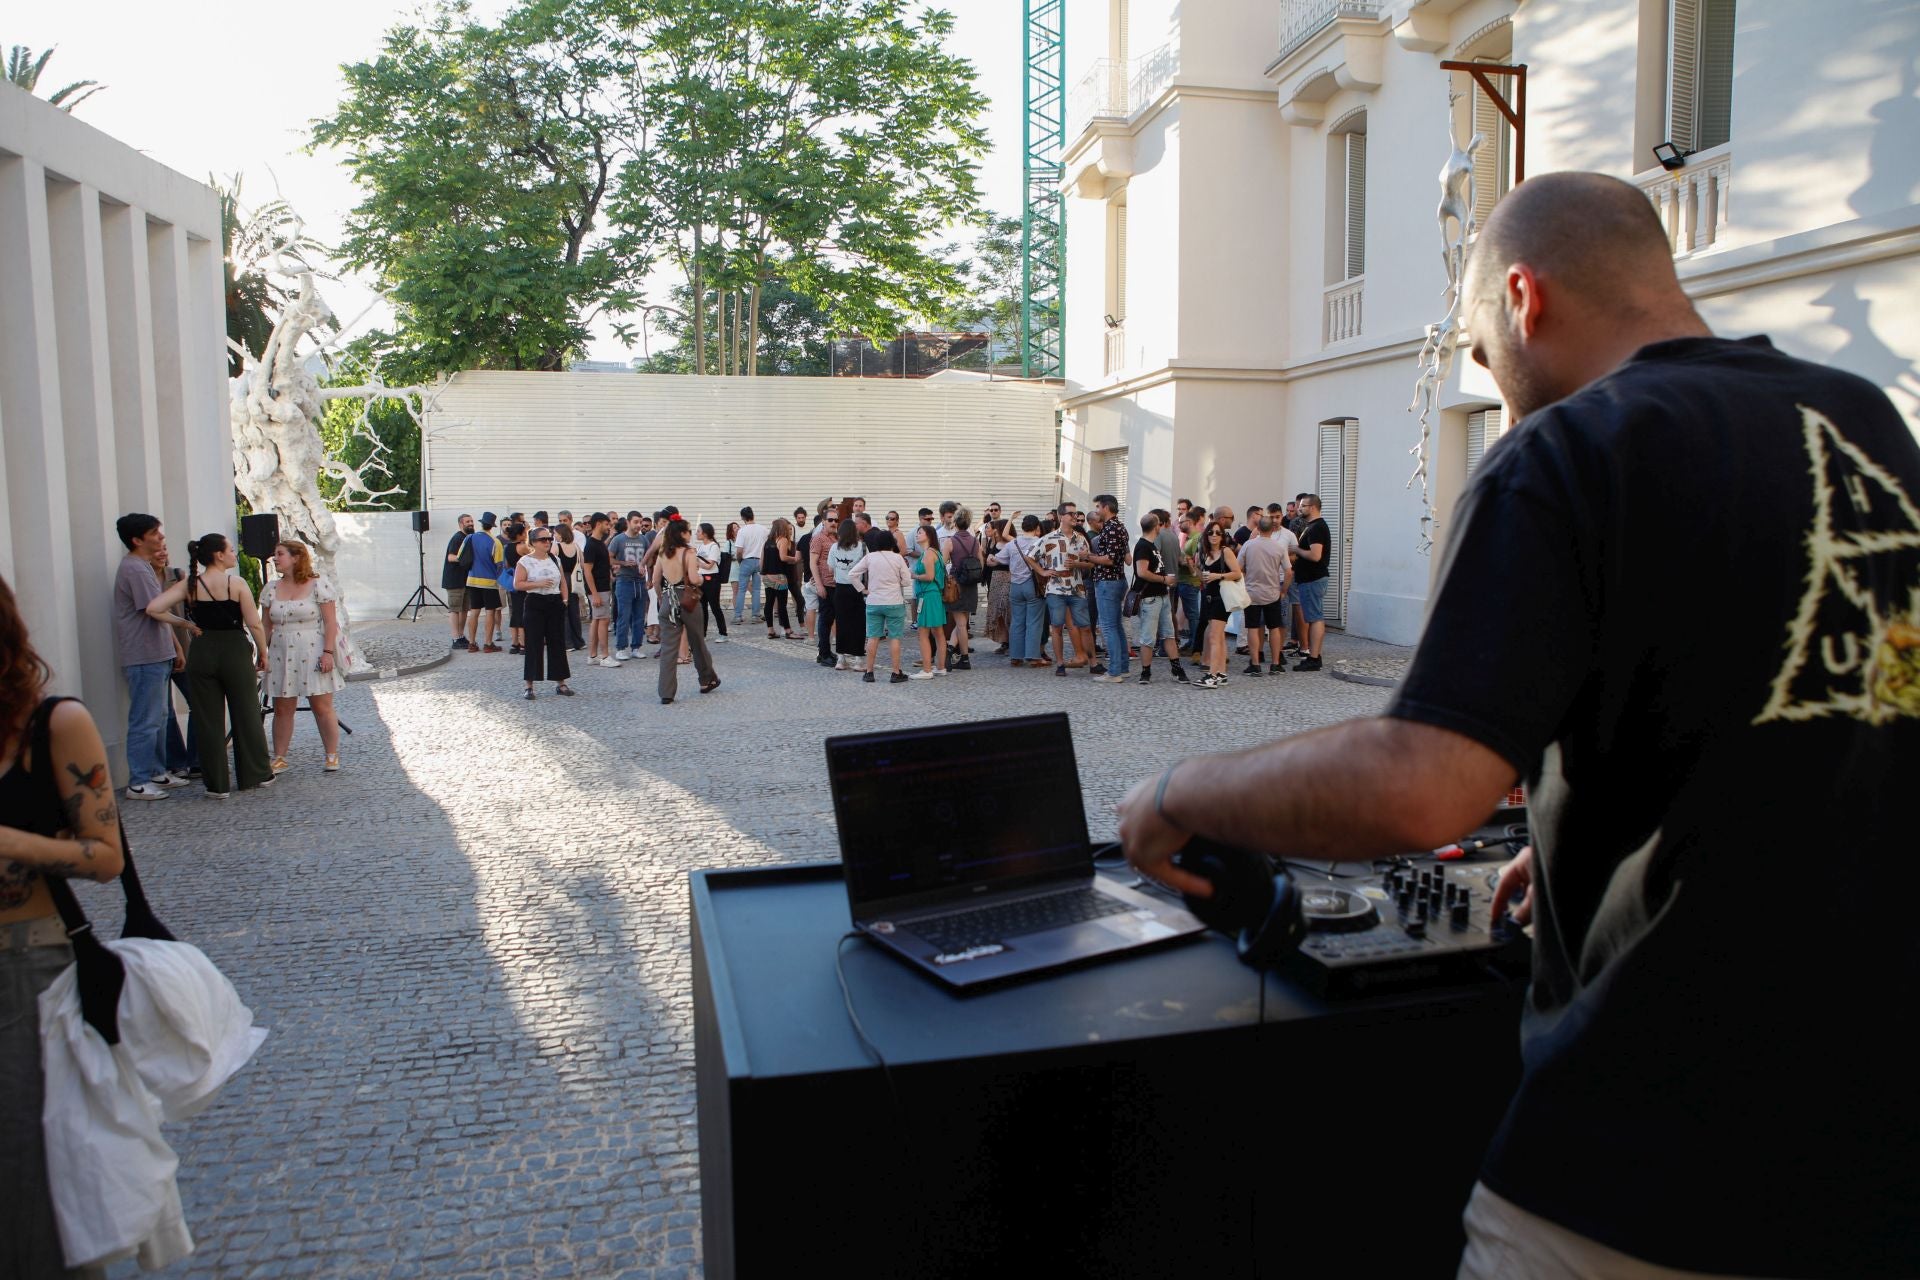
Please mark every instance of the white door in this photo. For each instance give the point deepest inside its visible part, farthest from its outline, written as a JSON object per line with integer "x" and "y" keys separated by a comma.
{"x": 1339, "y": 476}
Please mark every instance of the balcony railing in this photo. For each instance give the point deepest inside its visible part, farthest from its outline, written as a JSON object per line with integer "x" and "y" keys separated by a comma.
{"x": 1342, "y": 310}
{"x": 1299, "y": 19}
{"x": 1116, "y": 349}
{"x": 1692, "y": 202}
{"x": 1113, "y": 89}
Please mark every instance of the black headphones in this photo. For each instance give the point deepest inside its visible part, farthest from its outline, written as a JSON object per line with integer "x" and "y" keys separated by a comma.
{"x": 1253, "y": 901}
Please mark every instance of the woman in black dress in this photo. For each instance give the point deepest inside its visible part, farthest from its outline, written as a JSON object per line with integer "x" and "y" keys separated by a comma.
{"x": 1218, "y": 564}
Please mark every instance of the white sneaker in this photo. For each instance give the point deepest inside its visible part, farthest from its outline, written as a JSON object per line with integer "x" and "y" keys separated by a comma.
{"x": 939, "y": 671}
{"x": 921, "y": 675}
{"x": 610, "y": 662}
{"x": 621, "y": 655}
{"x": 146, "y": 791}
{"x": 170, "y": 780}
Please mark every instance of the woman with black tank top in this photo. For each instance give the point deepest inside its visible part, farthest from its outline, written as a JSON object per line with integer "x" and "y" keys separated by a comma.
{"x": 57, "y": 818}
{"x": 222, "y": 670}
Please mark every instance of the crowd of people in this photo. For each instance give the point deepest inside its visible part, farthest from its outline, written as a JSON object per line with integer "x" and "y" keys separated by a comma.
{"x": 1062, "y": 589}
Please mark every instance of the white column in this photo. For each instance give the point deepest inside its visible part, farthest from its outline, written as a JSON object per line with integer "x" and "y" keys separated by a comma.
{"x": 30, "y": 402}
{"x": 91, "y": 488}
{"x": 209, "y": 438}
{"x": 136, "y": 410}
{"x": 173, "y": 367}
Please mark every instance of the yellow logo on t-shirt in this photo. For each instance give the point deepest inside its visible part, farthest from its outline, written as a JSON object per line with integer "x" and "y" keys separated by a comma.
{"x": 1853, "y": 648}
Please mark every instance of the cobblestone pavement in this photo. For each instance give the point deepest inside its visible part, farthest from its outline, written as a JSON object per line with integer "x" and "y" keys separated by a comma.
{"x": 471, "y": 943}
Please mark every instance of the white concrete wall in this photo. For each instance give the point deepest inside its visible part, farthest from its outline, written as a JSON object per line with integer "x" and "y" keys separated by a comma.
{"x": 525, "y": 441}
{"x": 378, "y": 565}
{"x": 1228, "y": 376}
{"x": 112, "y": 379}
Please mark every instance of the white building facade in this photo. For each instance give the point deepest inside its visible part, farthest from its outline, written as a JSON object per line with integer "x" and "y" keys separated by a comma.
{"x": 1253, "y": 255}
{"x": 113, "y": 386}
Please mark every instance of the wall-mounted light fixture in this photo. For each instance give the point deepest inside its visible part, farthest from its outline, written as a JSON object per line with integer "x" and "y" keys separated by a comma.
{"x": 1671, "y": 155}
{"x": 1112, "y": 323}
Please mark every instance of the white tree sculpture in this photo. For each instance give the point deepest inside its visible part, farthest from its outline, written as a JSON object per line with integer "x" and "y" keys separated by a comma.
{"x": 278, "y": 404}
{"x": 1443, "y": 338}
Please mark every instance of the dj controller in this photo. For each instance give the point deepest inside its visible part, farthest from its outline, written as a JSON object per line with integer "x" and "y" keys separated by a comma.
{"x": 1412, "y": 922}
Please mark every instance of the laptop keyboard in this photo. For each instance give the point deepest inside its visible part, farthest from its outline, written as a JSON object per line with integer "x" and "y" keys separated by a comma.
{"x": 984, "y": 926}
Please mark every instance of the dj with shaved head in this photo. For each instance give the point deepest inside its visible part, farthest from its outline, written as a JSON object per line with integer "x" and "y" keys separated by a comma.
{"x": 1717, "y": 714}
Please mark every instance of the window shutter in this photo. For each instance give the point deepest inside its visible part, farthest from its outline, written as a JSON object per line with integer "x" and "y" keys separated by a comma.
{"x": 1483, "y": 428}
{"x": 1714, "y": 86}
{"x": 1490, "y": 161}
{"x": 1120, "y": 264}
{"x": 1683, "y": 68}
{"x": 1356, "y": 204}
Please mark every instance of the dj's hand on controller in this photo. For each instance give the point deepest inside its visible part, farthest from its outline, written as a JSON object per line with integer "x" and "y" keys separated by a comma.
{"x": 1516, "y": 886}
{"x": 1150, "y": 841}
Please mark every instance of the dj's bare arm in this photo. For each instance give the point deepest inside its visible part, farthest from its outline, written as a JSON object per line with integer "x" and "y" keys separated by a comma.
{"x": 1351, "y": 791}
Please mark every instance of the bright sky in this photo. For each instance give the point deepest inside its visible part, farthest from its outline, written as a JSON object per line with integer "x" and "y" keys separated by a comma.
{"x": 231, "y": 88}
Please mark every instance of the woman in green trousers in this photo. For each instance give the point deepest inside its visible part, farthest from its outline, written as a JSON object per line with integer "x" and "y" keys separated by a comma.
{"x": 222, "y": 683}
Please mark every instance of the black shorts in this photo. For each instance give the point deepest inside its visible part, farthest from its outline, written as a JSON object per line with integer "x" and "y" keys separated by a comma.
{"x": 483, "y": 598}
{"x": 1268, "y": 615}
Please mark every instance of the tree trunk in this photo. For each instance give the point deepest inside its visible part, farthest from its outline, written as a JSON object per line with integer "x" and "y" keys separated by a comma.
{"x": 699, "y": 308}
{"x": 736, "y": 333}
{"x": 753, "y": 314}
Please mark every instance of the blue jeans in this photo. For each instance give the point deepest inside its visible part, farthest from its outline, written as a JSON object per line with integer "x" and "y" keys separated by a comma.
{"x": 182, "y": 753}
{"x": 630, "y": 613}
{"x": 1029, "y": 621}
{"x": 1190, "y": 602}
{"x": 746, "y": 583}
{"x": 1112, "y": 625}
{"x": 147, "y": 684}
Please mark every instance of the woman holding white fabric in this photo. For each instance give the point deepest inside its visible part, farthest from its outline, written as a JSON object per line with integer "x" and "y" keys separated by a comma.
{"x": 77, "y": 837}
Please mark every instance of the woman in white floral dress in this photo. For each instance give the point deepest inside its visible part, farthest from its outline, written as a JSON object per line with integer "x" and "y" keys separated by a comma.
{"x": 303, "y": 639}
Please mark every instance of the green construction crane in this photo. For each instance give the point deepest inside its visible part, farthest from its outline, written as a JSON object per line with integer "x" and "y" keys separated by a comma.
{"x": 1043, "y": 223}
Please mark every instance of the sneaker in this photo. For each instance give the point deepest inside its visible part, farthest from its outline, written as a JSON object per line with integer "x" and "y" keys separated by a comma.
{"x": 460, "y": 642}
{"x": 1275, "y": 668}
{"x": 516, "y": 649}
{"x": 1206, "y": 682}
{"x": 1242, "y": 651}
{"x": 492, "y": 648}
{"x": 1146, "y": 675}
{"x": 1060, "y": 670}
{"x": 921, "y": 675}
{"x": 280, "y": 764}
{"x": 1180, "y": 674}
{"x": 938, "y": 671}
{"x": 269, "y": 782}
{"x": 1253, "y": 669}
{"x": 218, "y": 795}
{"x": 965, "y": 663}
{"x": 146, "y": 791}
{"x": 332, "y": 764}
{"x": 719, "y": 639}
{"x": 193, "y": 775}
{"x": 1099, "y": 668}
{"x": 621, "y": 655}
{"x": 829, "y": 663}
{"x": 898, "y": 677}
{"x": 867, "y": 676}
{"x": 1307, "y": 664}
{"x": 170, "y": 779}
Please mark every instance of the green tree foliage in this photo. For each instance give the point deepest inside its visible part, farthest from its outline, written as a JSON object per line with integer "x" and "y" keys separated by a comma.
{"x": 812, "y": 143}
{"x": 24, "y": 70}
{"x": 796, "y": 338}
{"x": 486, "y": 154}
{"x": 991, "y": 303}
{"x": 353, "y": 430}
{"x": 522, "y": 176}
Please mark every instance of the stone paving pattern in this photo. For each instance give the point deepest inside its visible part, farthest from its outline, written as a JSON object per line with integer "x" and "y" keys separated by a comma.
{"x": 471, "y": 944}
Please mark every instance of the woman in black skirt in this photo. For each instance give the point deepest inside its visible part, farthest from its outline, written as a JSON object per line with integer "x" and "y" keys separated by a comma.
{"x": 849, "y": 606}
{"x": 539, "y": 584}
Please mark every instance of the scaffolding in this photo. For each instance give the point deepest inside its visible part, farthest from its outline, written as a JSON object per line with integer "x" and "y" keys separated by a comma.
{"x": 1043, "y": 225}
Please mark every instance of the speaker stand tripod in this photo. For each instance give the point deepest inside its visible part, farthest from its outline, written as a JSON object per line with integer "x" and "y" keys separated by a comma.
{"x": 421, "y": 598}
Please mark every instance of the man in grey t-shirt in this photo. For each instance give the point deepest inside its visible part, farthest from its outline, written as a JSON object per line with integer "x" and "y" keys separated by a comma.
{"x": 147, "y": 655}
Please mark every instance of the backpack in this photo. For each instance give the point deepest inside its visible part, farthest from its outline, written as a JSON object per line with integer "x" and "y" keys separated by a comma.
{"x": 967, "y": 569}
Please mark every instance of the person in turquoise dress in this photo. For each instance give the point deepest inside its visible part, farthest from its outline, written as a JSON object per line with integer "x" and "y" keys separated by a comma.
{"x": 929, "y": 580}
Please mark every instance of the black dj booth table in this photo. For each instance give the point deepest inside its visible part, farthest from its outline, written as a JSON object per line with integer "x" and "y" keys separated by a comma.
{"x": 1134, "y": 1117}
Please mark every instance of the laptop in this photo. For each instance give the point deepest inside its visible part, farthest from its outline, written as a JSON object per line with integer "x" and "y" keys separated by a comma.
{"x": 966, "y": 852}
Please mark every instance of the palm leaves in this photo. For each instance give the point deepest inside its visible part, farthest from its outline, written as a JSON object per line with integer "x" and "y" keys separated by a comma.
{"x": 24, "y": 70}
{"x": 253, "y": 238}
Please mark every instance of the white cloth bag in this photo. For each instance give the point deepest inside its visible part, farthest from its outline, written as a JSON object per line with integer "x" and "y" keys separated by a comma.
{"x": 183, "y": 1033}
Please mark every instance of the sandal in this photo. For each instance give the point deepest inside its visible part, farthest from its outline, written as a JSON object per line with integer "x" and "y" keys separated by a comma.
{"x": 711, "y": 685}
{"x": 332, "y": 765}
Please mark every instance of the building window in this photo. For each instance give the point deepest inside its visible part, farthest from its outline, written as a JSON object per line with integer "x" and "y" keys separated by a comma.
{"x": 1353, "y": 201}
{"x": 1699, "y": 73}
{"x": 1484, "y": 427}
{"x": 1117, "y": 261}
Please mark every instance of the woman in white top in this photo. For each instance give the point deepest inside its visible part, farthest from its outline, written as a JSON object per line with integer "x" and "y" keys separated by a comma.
{"x": 886, "y": 581}
{"x": 849, "y": 609}
{"x": 545, "y": 617}
{"x": 706, "y": 550}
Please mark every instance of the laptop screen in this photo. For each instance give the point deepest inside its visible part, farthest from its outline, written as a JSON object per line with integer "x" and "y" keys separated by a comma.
{"x": 956, "y": 807}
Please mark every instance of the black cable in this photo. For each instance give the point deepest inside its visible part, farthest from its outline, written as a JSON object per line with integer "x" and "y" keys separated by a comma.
{"x": 846, "y": 995}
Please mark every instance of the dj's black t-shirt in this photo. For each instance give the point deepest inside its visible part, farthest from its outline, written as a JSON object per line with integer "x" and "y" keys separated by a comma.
{"x": 1313, "y": 533}
{"x": 1682, "y": 603}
